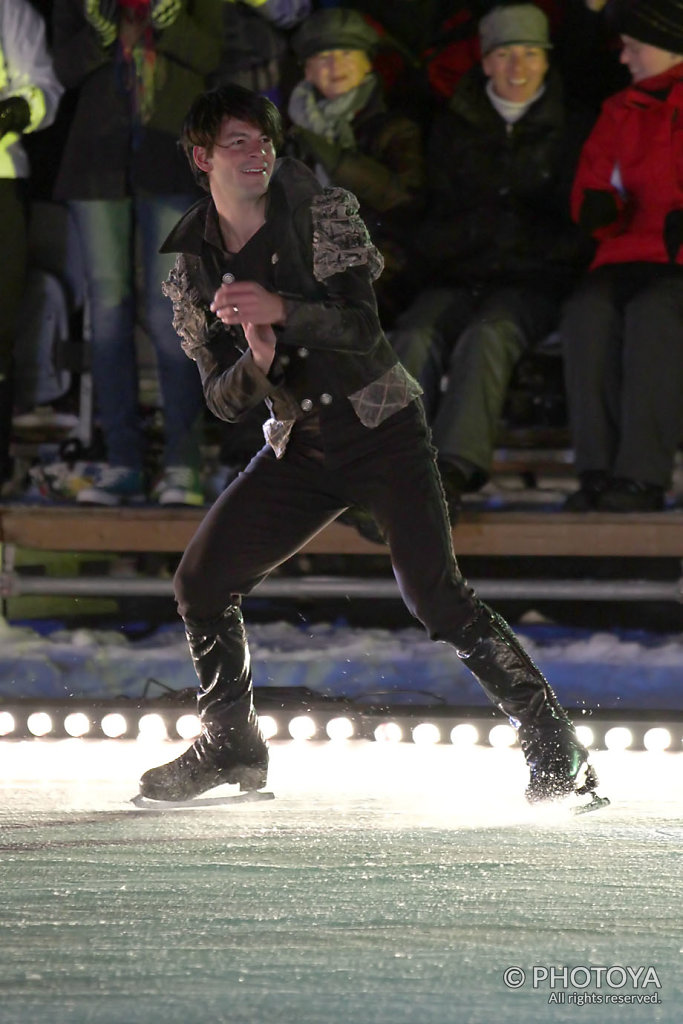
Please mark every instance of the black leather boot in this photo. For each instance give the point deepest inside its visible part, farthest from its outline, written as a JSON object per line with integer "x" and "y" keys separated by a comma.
{"x": 513, "y": 683}
{"x": 230, "y": 748}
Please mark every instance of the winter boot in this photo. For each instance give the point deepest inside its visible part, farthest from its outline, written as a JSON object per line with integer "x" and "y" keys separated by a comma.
{"x": 230, "y": 747}
{"x": 557, "y": 761}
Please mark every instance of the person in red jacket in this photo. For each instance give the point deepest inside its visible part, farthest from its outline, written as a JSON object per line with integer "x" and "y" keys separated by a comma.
{"x": 622, "y": 330}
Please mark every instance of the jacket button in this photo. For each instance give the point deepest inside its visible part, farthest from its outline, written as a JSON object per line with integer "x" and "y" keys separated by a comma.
{"x": 302, "y": 352}
{"x": 325, "y": 399}
{"x": 284, "y": 360}
{"x": 228, "y": 278}
{"x": 306, "y": 404}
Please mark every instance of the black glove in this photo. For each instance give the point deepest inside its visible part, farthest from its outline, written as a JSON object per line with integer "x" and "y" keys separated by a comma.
{"x": 15, "y": 115}
{"x": 673, "y": 233}
{"x": 326, "y": 153}
{"x": 598, "y": 209}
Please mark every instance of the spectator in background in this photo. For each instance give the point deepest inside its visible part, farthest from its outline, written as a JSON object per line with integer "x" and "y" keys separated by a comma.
{"x": 498, "y": 250}
{"x": 255, "y": 51}
{"x": 342, "y": 129}
{"x": 622, "y": 331}
{"x": 137, "y": 65}
{"x": 29, "y": 96}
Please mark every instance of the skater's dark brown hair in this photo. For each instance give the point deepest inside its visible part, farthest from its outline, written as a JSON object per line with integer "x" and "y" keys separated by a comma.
{"x": 203, "y": 122}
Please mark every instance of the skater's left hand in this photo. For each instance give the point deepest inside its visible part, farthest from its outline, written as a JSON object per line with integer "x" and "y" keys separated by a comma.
{"x": 246, "y": 302}
{"x": 261, "y": 340}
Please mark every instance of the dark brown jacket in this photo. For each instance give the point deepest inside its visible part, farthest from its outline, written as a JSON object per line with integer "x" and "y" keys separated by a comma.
{"x": 315, "y": 251}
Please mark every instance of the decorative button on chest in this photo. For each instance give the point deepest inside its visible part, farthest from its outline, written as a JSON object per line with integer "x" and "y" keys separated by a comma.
{"x": 325, "y": 399}
{"x": 306, "y": 404}
{"x": 302, "y": 352}
{"x": 228, "y": 278}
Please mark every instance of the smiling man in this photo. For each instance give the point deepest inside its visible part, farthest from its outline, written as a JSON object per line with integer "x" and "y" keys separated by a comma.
{"x": 272, "y": 293}
{"x": 498, "y": 250}
{"x": 516, "y": 70}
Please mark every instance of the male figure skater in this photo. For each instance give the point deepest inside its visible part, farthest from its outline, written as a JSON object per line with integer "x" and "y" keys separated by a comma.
{"x": 273, "y": 298}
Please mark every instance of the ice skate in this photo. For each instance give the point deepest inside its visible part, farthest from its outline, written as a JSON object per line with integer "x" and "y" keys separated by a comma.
{"x": 207, "y": 764}
{"x": 559, "y": 766}
{"x": 557, "y": 760}
{"x": 230, "y": 748}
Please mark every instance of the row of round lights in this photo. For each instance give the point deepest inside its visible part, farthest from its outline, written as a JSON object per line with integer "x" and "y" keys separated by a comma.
{"x": 304, "y": 727}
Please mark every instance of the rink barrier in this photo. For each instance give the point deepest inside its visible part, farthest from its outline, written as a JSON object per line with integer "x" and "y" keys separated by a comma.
{"x": 301, "y": 716}
{"x": 519, "y": 534}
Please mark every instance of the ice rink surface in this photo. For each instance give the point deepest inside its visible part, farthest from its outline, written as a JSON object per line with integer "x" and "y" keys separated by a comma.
{"x": 385, "y": 884}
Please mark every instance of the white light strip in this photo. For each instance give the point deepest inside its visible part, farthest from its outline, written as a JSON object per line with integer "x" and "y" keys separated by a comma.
{"x": 7, "y": 723}
{"x": 340, "y": 729}
{"x": 77, "y": 724}
{"x": 302, "y": 727}
{"x": 618, "y": 738}
{"x": 426, "y": 733}
{"x": 39, "y": 723}
{"x": 168, "y": 724}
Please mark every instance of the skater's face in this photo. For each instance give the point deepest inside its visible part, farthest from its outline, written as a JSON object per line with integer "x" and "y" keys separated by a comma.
{"x": 335, "y": 72}
{"x": 240, "y": 161}
{"x": 516, "y": 71}
{"x": 645, "y": 61}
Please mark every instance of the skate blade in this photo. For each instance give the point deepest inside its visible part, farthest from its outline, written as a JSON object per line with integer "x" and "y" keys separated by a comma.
{"x": 250, "y": 797}
{"x": 596, "y": 803}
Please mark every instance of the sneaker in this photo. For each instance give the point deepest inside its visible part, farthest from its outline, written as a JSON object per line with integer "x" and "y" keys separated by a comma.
{"x": 114, "y": 485}
{"x": 179, "y": 485}
{"x": 44, "y": 417}
{"x": 586, "y": 499}
{"x": 624, "y": 495}
{"x": 206, "y": 765}
{"x": 63, "y": 481}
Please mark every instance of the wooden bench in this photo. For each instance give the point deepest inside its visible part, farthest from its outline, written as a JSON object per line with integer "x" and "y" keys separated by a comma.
{"x": 525, "y": 534}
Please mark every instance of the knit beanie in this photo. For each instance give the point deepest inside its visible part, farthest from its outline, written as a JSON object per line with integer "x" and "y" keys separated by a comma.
{"x": 657, "y": 22}
{"x": 516, "y": 23}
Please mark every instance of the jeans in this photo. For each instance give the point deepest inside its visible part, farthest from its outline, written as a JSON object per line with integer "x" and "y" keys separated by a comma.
{"x": 113, "y": 232}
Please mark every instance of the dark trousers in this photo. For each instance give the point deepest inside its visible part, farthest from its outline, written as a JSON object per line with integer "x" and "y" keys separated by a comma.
{"x": 473, "y": 338}
{"x": 271, "y": 510}
{"x": 13, "y": 263}
{"x": 275, "y": 506}
{"x": 13, "y": 254}
{"x": 622, "y": 337}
